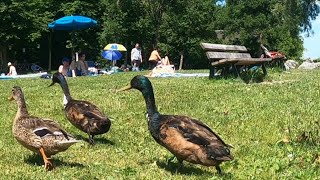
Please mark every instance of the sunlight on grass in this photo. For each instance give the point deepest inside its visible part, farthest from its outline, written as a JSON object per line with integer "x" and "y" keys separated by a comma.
{"x": 273, "y": 127}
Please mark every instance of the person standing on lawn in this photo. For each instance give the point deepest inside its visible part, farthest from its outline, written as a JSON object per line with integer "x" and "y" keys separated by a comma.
{"x": 154, "y": 58}
{"x": 136, "y": 57}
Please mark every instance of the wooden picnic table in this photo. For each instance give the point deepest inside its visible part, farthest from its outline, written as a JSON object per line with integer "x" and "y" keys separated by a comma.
{"x": 231, "y": 59}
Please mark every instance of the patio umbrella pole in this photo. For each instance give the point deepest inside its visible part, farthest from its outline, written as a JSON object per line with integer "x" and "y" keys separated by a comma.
{"x": 69, "y": 23}
{"x": 126, "y": 57}
{"x": 50, "y": 47}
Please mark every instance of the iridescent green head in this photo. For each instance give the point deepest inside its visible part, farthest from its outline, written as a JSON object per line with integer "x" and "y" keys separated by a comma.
{"x": 143, "y": 84}
{"x": 140, "y": 83}
{"x": 57, "y": 78}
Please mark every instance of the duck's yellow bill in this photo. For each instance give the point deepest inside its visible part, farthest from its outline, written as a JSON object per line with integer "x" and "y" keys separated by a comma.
{"x": 51, "y": 84}
{"x": 10, "y": 98}
{"x": 124, "y": 88}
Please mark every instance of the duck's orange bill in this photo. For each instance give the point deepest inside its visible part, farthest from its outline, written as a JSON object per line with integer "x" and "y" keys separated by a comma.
{"x": 124, "y": 88}
{"x": 10, "y": 98}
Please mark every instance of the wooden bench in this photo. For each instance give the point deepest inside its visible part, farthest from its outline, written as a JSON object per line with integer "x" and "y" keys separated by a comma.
{"x": 231, "y": 59}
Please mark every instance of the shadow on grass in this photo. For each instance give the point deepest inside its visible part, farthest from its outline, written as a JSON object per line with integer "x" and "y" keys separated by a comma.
{"x": 97, "y": 140}
{"x": 189, "y": 170}
{"x": 36, "y": 159}
{"x": 253, "y": 76}
{"x": 186, "y": 170}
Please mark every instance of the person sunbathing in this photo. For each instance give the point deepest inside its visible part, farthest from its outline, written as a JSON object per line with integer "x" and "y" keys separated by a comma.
{"x": 162, "y": 67}
{"x": 12, "y": 70}
{"x": 165, "y": 61}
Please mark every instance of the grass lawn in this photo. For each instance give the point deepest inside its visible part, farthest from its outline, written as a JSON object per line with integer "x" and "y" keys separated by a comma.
{"x": 272, "y": 126}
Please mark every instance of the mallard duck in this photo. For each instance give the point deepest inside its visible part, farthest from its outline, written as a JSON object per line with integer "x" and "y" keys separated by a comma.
{"x": 39, "y": 135}
{"x": 186, "y": 138}
{"x": 82, "y": 114}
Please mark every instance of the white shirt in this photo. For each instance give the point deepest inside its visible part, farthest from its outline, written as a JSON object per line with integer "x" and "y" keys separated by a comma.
{"x": 12, "y": 71}
{"x": 136, "y": 54}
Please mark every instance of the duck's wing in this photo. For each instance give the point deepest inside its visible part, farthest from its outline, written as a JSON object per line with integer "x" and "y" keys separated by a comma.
{"x": 55, "y": 128}
{"x": 84, "y": 109}
{"x": 199, "y": 126}
{"x": 192, "y": 134}
{"x": 44, "y": 127}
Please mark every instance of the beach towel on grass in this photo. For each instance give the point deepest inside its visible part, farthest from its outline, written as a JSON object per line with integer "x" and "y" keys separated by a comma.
{"x": 180, "y": 75}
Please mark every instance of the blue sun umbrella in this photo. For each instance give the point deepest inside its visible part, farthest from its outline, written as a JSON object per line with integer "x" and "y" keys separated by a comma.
{"x": 69, "y": 23}
{"x": 111, "y": 55}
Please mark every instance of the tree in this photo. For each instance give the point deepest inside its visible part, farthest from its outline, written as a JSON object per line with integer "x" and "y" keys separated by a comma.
{"x": 280, "y": 23}
{"x": 185, "y": 25}
{"x": 22, "y": 25}
{"x": 176, "y": 26}
{"x": 155, "y": 9}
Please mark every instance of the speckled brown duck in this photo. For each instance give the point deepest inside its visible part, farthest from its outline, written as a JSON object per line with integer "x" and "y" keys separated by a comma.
{"x": 186, "y": 138}
{"x": 84, "y": 115}
{"x": 39, "y": 135}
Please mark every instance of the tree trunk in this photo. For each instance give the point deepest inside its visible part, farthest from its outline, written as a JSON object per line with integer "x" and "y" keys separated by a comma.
{"x": 157, "y": 34}
{"x": 181, "y": 60}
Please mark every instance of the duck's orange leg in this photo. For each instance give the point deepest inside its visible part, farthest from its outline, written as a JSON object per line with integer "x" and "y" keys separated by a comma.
{"x": 47, "y": 163}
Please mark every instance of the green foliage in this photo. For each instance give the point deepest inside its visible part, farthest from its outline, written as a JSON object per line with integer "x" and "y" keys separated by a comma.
{"x": 183, "y": 32}
{"x": 23, "y": 22}
{"x": 276, "y": 24}
{"x": 176, "y": 26}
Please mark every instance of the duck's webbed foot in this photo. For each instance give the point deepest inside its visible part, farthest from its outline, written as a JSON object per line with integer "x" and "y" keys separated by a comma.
{"x": 180, "y": 165}
{"x": 170, "y": 160}
{"x": 47, "y": 163}
{"x": 219, "y": 170}
{"x": 91, "y": 141}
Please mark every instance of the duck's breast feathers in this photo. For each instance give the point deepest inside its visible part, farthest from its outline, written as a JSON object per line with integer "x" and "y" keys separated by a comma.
{"x": 181, "y": 133}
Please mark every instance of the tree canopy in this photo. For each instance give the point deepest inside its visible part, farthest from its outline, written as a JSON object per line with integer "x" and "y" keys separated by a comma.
{"x": 176, "y": 26}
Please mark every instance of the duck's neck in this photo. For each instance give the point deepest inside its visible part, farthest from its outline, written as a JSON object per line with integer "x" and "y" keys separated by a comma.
{"x": 22, "y": 108}
{"x": 66, "y": 91}
{"x": 150, "y": 101}
{"x": 153, "y": 116}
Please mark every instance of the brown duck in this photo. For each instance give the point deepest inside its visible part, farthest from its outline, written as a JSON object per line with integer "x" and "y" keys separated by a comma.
{"x": 82, "y": 114}
{"x": 40, "y": 135}
{"x": 186, "y": 138}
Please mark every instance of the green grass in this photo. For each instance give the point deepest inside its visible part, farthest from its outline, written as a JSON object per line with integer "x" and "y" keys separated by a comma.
{"x": 254, "y": 118}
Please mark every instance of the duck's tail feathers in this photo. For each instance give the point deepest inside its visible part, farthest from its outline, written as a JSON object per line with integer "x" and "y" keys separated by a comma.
{"x": 229, "y": 146}
{"x": 68, "y": 142}
{"x": 225, "y": 158}
{"x": 221, "y": 153}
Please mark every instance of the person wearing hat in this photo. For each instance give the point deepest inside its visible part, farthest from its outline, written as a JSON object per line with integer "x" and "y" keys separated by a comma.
{"x": 12, "y": 70}
{"x": 65, "y": 67}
